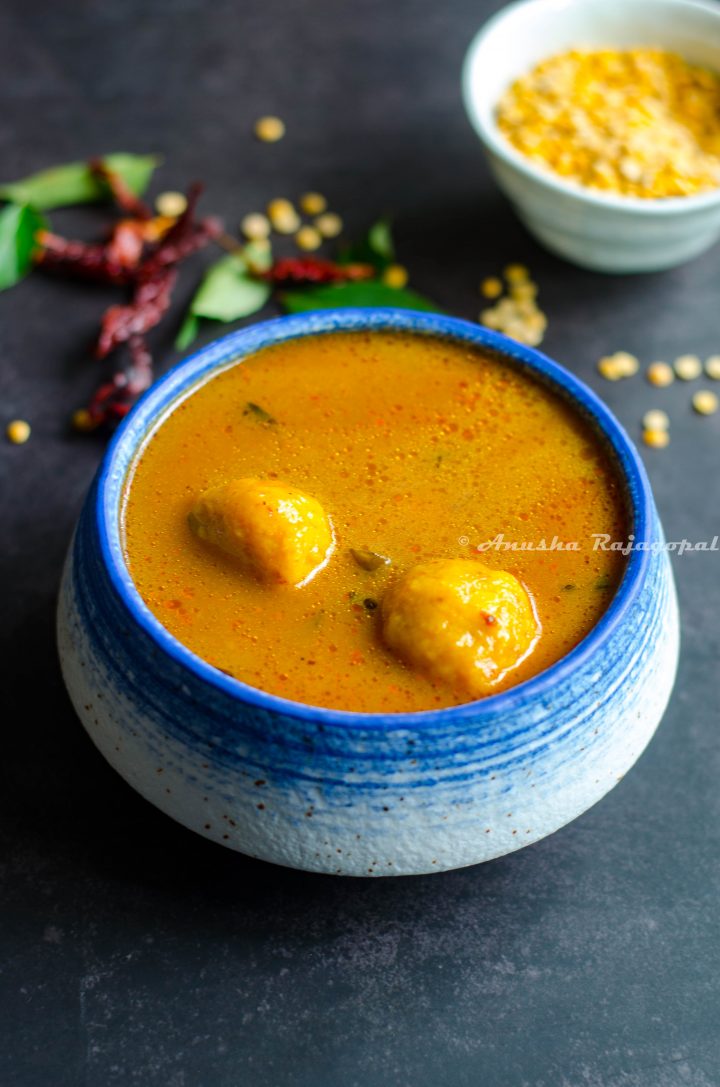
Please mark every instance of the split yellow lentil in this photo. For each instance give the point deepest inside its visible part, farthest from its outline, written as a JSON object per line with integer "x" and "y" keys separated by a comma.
{"x": 269, "y": 129}
{"x": 517, "y": 313}
{"x": 657, "y": 439}
{"x": 655, "y": 420}
{"x": 312, "y": 203}
{"x": 705, "y": 402}
{"x": 283, "y": 216}
{"x": 255, "y": 226}
{"x": 395, "y": 275}
{"x": 523, "y": 292}
{"x": 171, "y": 204}
{"x": 712, "y": 367}
{"x": 83, "y": 421}
{"x": 18, "y": 431}
{"x": 329, "y": 224}
{"x": 516, "y": 273}
{"x": 687, "y": 367}
{"x": 619, "y": 365}
{"x": 636, "y": 122}
{"x": 308, "y": 238}
{"x": 491, "y": 287}
{"x": 660, "y": 374}
{"x": 608, "y": 369}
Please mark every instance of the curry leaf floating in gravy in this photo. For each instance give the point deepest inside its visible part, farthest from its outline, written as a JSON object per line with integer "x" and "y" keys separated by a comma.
{"x": 259, "y": 413}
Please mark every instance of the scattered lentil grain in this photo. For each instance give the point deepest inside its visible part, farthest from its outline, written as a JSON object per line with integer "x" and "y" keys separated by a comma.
{"x": 712, "y": 367}
{"x": 705, "y": 402}
{"x": 395, "y": 275}
{"x": 283, "y": 216}
{"x": 657, "y": 439}
{"x": 655, "y": 420}
{"x": 171, "y": 204}
{"x": 629, "y": 364}
{"x": 517, "y": 314}
{"x": 18, "y": 431}
{"x": 516, "y": 273}
{"x": 491, "y": 287}
{"x": 312, "y": 203}
{"x": 308, "y": 238}
{"x": 687, "y": 367}
{"x": 83, "y": 421}
{"x": 329, "y": 224}
{"x": 523, "y": 292}
{"x": 660, "y": 374}
{"x": 255, "y": 226}
{"x": 619, "y": 365}
{"x": 269, "y": 129}
{"x": 608, "y": 368}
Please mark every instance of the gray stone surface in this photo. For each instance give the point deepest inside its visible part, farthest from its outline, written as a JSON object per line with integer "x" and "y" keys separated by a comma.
{"x": 135, "y": 953}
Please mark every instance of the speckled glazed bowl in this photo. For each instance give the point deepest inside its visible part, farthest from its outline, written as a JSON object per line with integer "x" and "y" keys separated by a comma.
{"x": 361, "y": 794}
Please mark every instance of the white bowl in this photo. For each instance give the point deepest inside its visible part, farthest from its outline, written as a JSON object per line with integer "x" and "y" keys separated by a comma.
{"x": 604, "y": 232}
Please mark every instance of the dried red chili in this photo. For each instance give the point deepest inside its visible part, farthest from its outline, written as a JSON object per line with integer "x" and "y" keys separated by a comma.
{"x": 155, "y": 278}
{"x": 114, "y": 261}
{"x": 185, "y": 236}
{"x": 150, "y": 301}
{"x": 114, "y": 399}
{"x": 125, "y": 199}
{"x": 296, "y": 271}
{"x": 87, "y": 260}
{"x": 153, "y": 274}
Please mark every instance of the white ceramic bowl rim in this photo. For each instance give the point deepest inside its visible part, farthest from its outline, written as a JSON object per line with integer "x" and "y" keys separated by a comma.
{"x": 491, "y": 135}
{"x": 191, "y": 372}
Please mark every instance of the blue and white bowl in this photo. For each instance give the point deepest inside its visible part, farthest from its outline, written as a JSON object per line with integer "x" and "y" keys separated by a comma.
{"x": 361, "y": 794}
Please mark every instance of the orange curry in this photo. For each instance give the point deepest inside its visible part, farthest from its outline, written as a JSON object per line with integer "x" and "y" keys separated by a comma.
{"x": 311, "y": 521}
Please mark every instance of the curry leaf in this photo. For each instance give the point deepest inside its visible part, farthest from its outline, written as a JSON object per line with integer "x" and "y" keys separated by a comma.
{"x": 227, "y": 293}
{"x": 75, "y": 183}
{"x": 380, "y": 240}
{"x": 376, "y": 248}
{"x": 364, "y": 293}
{"x": 188, "y": 331}
{"x": 18, "y": 227}
{"x": 259, "y": 413}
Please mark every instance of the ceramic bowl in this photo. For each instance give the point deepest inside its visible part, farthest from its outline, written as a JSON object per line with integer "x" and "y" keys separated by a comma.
{"x": 361, "y": 794}
{"x": 596, "y": 230}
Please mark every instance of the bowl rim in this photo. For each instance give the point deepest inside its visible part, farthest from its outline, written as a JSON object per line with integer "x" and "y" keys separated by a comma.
{"x": 189, "y": 373}
{"x": 495, "y": 142}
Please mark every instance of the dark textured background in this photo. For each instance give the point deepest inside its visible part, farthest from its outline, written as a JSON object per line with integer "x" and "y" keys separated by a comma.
{"x": 135, "y": 953}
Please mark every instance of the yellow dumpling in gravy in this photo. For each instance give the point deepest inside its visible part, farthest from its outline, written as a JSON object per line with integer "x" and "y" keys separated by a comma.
{"x": 277, "y": 533}
{"x": 459, "y": 622}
